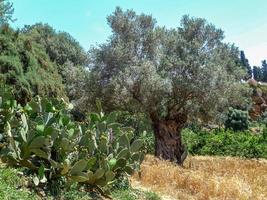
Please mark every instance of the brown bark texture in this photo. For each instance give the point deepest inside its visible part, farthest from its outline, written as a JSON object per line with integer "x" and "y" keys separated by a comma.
{"x": 168, "y": 140}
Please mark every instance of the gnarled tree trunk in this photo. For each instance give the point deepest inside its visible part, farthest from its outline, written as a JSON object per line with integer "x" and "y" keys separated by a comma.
{"x": 168, "y": 139}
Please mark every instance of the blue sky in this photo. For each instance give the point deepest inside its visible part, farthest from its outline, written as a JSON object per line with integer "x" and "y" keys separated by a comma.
{"x": 244, "y": 21}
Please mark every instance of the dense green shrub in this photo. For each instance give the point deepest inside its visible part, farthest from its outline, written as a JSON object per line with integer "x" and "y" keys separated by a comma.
{"x": 43, "y": 138}
{"x": 237, "y": 120}
{"x": 25, "y": 65}
{"x": 226, "y": 143}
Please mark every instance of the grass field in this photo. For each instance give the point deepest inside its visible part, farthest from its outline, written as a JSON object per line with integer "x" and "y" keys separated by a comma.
{"x": 201, "y": 178}
{"x": 204, "y": 177}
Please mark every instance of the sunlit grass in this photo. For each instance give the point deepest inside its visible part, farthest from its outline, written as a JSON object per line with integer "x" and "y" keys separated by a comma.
{"x": 205, "y": 177}
{"x": 11, "y": 185}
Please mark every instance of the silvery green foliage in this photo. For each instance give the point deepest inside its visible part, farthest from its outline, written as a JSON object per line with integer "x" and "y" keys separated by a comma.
{"x": 75, "y": 78}
{"x": 143, "y": 67}
{"x": 144, "y": 84}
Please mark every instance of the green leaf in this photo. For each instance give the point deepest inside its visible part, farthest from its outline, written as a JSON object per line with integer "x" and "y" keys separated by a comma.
{"x": 41, "y": 171}
{"x": 40, "y": 128}
{"x": 99, "y": 173}
{"x": 48, "y": 130}
{"x": 124, "y": 141}
{"x": 71, "y": 132}
{"x": 78, "y": 167}
{"x": 54, "y": 164}
{"x": 66, "y": 167}
{"x": 23, "y": 135}
{"x": 34, "y": 106}
{"x": 91, "y": 146}
{"x": 40, "y": 153}
{"x": 91, "y": 177}
{"x": 124, "y": 153}
{"x": 8, "y": 130}
{"x": 120, "y": 163}
{"x": 64, "y": 120}
{"x": 103, "y": 144}
{"x": 101, "y": 126}
{"x": 91, "y": 162}
{"x": 24, "y": 121}
{"x": 38, "y": 142}
{"x": 112, "y": 162}
{"x": 94, "y": 117}
{"x": 130, "y": 135}
{"x": 114, "y": 126}
{"x": 79, "y": 178}
{"x": 41, "y": 174}
{"x": 136, "y": 145}
{"x": 135, "y": 157}
{"x": 111, "y": 118}
{"x": 109, "y": 176}
{"x": 127, "y": 129}
{"x": 65, "y": 144}
{"x": 101, "y": 182}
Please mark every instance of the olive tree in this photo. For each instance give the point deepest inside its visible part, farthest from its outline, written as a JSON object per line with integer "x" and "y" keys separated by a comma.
{"x": 172, "y": 75}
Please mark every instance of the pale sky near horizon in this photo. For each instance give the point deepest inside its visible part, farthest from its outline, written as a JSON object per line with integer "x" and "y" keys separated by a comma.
{"x": 243, "y": 21}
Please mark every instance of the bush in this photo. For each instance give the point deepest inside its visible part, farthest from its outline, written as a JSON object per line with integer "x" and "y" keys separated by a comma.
{"x": 26, "y": 67}
{"x": 226, "y": 143}
{"x": 237, "y": 120}
{"x": 43, "y": 138}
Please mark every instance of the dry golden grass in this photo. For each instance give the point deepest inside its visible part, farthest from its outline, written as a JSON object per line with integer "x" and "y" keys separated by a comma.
{"x": 205, "y": 178}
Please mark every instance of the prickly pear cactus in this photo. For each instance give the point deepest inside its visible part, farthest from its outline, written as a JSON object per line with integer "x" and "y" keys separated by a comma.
{"x": 42, "y": 137}
{"x": 111, "y": 151}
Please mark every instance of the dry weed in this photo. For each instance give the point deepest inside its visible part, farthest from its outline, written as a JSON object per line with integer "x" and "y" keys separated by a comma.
{"x": 205, "y": 177}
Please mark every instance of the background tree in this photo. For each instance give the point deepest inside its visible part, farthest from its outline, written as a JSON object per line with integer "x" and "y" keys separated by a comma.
{"x": 264, "y": 71}
{"x": 68, "y": 55}
{"x": 75, "y": 79}
{"x": 257, "y": 73}
{"x": 6, "y": 12}
{"x": 60, "y": 46}
{"x": 172, "y": 75}
{"x": 25, "y": 66}
{"x": 245, "y": 64}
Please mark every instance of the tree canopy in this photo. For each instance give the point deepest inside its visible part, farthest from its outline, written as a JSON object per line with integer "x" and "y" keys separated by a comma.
{"x": 164, "y": 71}
{"x": 60, "y": 46}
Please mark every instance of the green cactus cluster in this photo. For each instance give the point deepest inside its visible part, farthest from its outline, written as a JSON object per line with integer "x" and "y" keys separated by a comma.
{"x": 42, "y": 137}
